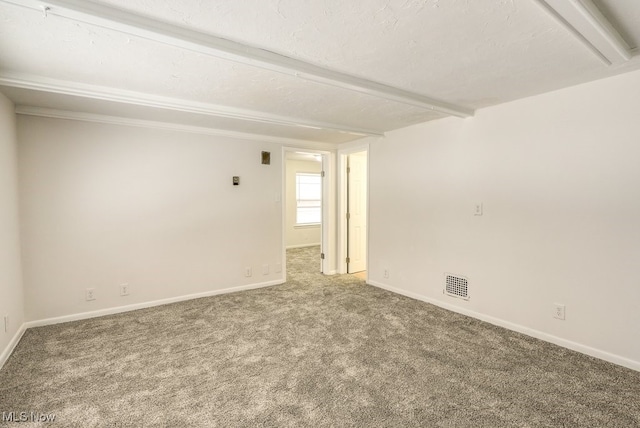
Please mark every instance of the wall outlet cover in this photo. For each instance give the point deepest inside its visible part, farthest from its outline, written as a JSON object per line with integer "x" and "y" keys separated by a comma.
{"x": 559, "y": 311}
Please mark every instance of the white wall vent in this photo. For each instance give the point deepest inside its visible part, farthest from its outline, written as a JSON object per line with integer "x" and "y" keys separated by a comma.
{"x": 456, "y": 286}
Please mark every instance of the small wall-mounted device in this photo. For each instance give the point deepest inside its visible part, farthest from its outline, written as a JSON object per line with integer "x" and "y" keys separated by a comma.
{"x": 236, "y": 180}
{"x": 266, "y": 158}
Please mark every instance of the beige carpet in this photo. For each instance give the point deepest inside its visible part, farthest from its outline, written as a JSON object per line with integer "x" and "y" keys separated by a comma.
{"x": 314, "y": 352}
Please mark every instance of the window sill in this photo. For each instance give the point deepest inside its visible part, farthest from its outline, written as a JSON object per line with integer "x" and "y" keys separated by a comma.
{"x": 306, "y": 226}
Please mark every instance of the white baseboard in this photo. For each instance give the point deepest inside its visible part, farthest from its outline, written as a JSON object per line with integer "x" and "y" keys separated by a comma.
{"x": 135, "y": 306}
{"x": 603, "y": 355}
{"x": 12, "y": 345}
{"x": 584, "y": 349}
{"x": 302, "y": 246}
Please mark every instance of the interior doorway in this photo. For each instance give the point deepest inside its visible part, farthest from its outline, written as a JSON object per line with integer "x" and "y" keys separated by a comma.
{"x": 303, "y": 208}
{"x": 356, "y": 212}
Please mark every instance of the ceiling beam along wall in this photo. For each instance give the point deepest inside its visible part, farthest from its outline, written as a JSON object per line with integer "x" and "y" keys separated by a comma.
{"x": 143, "y": 123}
{"x": 38, "y": 83}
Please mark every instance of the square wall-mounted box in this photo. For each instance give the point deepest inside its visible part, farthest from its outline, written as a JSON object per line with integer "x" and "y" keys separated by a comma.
{"x": 266, "y": 158}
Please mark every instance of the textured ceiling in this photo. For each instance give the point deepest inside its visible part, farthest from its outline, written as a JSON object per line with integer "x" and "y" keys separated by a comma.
{"x": 468, "y": 53}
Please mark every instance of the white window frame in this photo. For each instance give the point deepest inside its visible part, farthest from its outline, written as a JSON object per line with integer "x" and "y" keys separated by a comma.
{"x": 298, "y": 199}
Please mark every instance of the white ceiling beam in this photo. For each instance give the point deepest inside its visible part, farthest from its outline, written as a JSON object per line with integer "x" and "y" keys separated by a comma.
{"x": 143, "y": 123}
{"x": 185, "y": 38}
{"x": 591, "y": 27}
{"x": 104, "y": 93}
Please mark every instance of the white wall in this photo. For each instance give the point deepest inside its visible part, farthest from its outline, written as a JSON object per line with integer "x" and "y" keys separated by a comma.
{"x": 104, "y": 205}
{"x": 11, "y": 296}
{"x": 300, "y": 236}
{"x": 559, "y": 177}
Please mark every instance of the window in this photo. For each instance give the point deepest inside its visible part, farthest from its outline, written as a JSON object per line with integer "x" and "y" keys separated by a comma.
{"x": 308, "y": 198}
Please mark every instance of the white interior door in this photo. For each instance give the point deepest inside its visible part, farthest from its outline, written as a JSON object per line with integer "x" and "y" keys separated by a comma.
{"x": 357, "y": 212}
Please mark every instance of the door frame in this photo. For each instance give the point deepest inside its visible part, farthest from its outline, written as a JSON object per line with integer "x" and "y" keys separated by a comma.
{"x": 342, "y": 205}
{"x": 327, "y": 225}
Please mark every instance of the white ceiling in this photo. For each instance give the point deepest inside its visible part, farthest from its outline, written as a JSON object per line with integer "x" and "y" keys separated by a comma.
{"x": 320, "y": 70}
{"x": 303, "y": 156}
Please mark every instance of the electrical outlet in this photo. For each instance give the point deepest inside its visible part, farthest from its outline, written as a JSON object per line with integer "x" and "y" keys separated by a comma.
{"x": 247, "y": 272}
{"x": 265, "y": 269}
{"x": 6, "y": 323}
{"x": 477, "y": 209}
{"x": 386, "y": 273}
{"x": 559, "y": 311}
{"x": 90, "y": 294}
{"x": 278, "y": 268}
{"x": 124, "y": 289}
